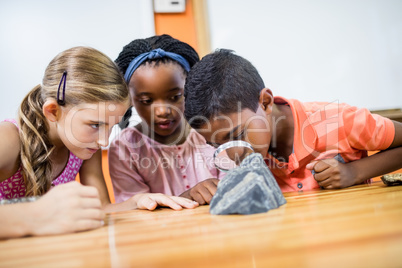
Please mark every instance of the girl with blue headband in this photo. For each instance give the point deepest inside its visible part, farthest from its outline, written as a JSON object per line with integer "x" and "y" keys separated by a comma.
{"x": 161, "y": 154}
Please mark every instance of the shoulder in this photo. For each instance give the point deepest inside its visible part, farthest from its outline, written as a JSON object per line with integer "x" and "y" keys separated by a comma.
{"x": 197, "y": 141}
{"x": 361, "y": 119}
{"x": 10, "y": 134}
{"x": 128, "y": 142}
{"x": 195, "y": 138}
{"x": 127, "y": 136}
{"x": 318, "y": 112}
{"x": 9, "y": 148}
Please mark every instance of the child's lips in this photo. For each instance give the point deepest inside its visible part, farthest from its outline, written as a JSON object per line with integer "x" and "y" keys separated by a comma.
{"x": 165, "y": 124}
{"x": 93, "y": 150}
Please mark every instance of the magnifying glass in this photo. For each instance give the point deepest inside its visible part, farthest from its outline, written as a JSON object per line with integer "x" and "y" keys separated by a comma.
{"x": 19, "y": 200}
{"x": 230, "y": 154}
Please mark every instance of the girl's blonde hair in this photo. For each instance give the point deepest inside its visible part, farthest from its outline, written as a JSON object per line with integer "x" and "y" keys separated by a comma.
{"x": 91, "y": 77}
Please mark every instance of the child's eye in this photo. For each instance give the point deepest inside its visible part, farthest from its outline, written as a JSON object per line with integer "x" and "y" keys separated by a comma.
{"x": 176, "y": 97}
{"x": 213, "y": 144}
{"x": 240, "y": 135}
{"x": 94, "y": 126}
{"x": 146, "y": 101}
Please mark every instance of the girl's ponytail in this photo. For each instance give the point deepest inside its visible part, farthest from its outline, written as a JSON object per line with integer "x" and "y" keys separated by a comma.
{"x": 35, "y": 145}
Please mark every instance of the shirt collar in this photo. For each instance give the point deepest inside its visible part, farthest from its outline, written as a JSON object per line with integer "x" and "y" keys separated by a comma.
{"x": 305, "y": 136}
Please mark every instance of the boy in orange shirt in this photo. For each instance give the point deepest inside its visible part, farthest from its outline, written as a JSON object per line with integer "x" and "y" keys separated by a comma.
{"x": 306, "y": 145}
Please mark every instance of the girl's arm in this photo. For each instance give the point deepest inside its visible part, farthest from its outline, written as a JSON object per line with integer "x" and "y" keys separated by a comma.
{"x": 66, "y": 208}
{"x": 91, "y": 174}
{"x": 9, "y": 150}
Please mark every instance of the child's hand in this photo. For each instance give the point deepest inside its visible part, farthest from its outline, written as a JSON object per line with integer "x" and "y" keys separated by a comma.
{"x": 202, "y": 192}
{"x": 331, "y": 174}
{"x": 66, "y": 208}
{"x": 151, "y": 200}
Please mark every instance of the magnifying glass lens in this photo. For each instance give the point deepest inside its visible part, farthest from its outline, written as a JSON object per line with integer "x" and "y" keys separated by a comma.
{"x": 231, "y": 154}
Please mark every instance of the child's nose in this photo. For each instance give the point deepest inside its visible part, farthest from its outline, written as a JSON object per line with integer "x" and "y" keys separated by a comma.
{"x": 162, "y": 110}
{"x": 103, "y": 140}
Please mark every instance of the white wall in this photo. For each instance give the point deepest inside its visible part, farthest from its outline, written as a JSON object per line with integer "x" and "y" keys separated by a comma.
{"x": 318, "y": 50}
{"x": 346, "y": 50}
{"x": 33, "y": 32}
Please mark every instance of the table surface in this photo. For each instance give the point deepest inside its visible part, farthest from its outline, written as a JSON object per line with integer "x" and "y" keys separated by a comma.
{"x": 360, "y": 226}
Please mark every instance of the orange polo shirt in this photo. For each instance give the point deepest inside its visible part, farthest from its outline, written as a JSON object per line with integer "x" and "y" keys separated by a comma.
{"x": 327, "y": 130}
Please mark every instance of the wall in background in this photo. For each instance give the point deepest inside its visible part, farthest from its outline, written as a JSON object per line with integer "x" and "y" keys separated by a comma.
{"x": 179, "y": 25}
{"x": 191, "y": 26}
{"x": 33, "y": 32}
{"x": 347, "y": 51}
{"x": 313, "y": 50}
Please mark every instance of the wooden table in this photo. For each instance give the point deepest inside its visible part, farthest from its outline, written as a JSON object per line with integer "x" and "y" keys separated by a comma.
{"x": 359, "y": 226}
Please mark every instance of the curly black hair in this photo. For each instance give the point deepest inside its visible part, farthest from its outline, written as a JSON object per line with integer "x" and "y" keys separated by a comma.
{"x": 140, "y": 46}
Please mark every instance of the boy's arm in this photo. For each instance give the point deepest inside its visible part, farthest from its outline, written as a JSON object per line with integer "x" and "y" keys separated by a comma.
{"x": 331, "y": 174}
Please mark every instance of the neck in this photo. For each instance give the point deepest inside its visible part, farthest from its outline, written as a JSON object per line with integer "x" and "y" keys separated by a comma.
{"x": 60, "y": 153}
{"x": 283, "y": 130}
{"x": 54, "y": 137}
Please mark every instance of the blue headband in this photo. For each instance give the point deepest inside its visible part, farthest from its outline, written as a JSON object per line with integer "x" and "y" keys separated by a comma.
{"x": 154, "y": 54}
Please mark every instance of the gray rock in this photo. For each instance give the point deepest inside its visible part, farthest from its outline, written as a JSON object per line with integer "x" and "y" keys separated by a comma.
{"x": 248, "y": 189}
{"x": 392, "y": 179}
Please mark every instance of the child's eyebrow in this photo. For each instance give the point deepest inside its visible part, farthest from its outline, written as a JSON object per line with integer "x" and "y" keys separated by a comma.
{"x": 230, "y": 133}
{"x": 143, "y": 94}
{"x": 174, "y": 89}
{"x": 98, "y": 122}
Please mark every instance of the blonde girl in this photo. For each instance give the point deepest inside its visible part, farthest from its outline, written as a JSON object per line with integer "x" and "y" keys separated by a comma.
{"x": 62, "y": 125}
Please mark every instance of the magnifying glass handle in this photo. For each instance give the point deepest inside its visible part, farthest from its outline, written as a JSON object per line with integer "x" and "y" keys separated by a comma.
{"x": 19, "y": 200}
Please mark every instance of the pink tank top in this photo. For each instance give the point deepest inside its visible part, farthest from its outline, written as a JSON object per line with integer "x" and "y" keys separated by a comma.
{"x": 14, "y": 187}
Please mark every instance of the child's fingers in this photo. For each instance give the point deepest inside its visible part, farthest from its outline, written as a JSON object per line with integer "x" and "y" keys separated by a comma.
{"x": 211, "y": 185}
{"x": 77, "y": 188}
{"x": 184, "y": 202}
{"x": 326, "y": 164}
{"x": 167, "y": 201}
{"x": 326, "y": 183}
{"x": 310, "y": 166}
{"x": 204, "y": 191}
{"x": 214, "y": 181}
{"x": 320, "y": 177}
{"x": 318, "y": 166}
{"x": 146, "y": 202}
{"x": 92, "y": 214}
{"x": 325, "y": 171}
{"x": 198, "y": 198}
{"x": 87, "y": 224}
{"x": 90, "y": 203}
{"x": 151, "y": 204}
{"x": 206, "y": 194}
{"x": 88, "y": 191}
{"x": 151, "y": 201}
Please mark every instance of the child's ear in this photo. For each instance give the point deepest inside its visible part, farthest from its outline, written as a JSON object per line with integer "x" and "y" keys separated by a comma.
{"x": 266, "y": 100}
{"x": 51, "y": 110}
